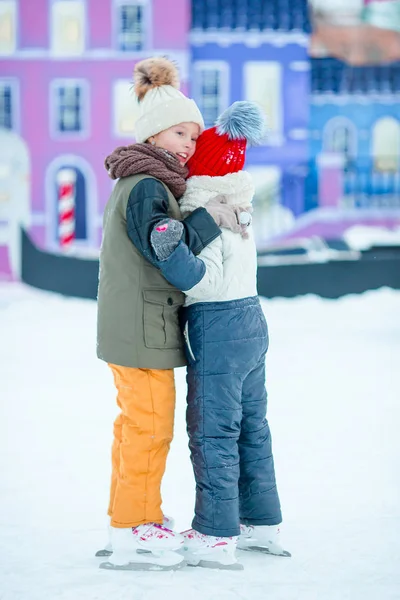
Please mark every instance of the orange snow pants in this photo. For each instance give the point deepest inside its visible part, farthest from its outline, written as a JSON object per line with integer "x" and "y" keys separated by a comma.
{"x": 142, "y": 435}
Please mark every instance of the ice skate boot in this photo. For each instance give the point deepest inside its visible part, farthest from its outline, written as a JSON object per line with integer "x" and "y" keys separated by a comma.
{"x": 209, "y": 551}
{"x": 149, "y": 547}
{"x": 168, "y": 523}
{"x": 261, "y": 538}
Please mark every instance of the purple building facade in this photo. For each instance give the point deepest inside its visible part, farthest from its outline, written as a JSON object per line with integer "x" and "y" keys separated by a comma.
{"x": 66, "y": 103}
{"x": 245, "y": 49}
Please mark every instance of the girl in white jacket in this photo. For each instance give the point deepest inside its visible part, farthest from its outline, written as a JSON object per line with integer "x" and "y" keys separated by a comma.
{"x": 237, "y": 503}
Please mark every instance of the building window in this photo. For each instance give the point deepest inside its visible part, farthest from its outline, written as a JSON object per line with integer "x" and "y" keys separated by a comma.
{"x": 69, "y": 101}
{"x": 386, "y": 144}
{"x": 68, "y": 27}
{"x": 340, "y": 141}
{"x": 8, "y": 23}
{"x": 263, "y": 84}
{"x": 131, "y": 26}
{"x": 211, "y": 90}
{"x": 340, "y": 137}
{"x": 125, "y": 108}
{"x": 7, "y": 117}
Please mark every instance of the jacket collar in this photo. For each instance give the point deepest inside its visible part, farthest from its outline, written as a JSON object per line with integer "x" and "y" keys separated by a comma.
{"x": 238, "y": 188}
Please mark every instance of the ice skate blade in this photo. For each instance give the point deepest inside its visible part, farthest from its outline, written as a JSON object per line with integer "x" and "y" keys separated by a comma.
{"x": 264, "y": 550}
{"x": 144, "y": 560}
{"x": 213, "y": 564}
{"x": 103, "y": 552}
{"x": 141, "y": 567}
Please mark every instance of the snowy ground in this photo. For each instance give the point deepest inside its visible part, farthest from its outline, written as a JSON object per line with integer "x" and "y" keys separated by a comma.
{"x": 334, "y": 385}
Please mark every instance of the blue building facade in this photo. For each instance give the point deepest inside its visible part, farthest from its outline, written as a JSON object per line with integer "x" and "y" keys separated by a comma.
{"x": 257, "y": 50}
{"x": 355, "y": 113}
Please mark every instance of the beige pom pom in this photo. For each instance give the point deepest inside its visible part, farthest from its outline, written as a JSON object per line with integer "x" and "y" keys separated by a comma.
{"x": 154, "y": 72}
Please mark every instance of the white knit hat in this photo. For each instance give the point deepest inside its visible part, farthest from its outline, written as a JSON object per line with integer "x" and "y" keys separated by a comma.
{"x": 161, "y": 104}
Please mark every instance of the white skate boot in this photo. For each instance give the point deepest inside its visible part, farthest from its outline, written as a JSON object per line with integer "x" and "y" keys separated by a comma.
{"x": 209, "y": 551}
{"x": 261, "y": 538}
{"x": 148, "y": 547}
{"x": 168, "y": 523}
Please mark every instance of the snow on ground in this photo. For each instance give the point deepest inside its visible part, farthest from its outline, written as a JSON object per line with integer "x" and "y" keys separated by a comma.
{"x": 334, "y": 393}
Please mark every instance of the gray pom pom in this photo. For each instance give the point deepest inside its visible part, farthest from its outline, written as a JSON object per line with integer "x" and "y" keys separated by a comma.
{"x": 243, "y": 121}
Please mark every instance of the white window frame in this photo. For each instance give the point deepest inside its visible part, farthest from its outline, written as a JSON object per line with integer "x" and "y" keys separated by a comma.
{"x": 147, "y": 22}
{"x": 13, "y": 5}
{"x": 391, "y": 166}
{"x": 274, "y": 136}
{"x": 55, "y": 50}
{"x": 118, "y": 134}
{"x": 13, "y": 83}
{"x": 212, "y": 65}
{"x": 333, "y": 124}
{"x": 54, "y": 109}
{"x": 266, "y": 216}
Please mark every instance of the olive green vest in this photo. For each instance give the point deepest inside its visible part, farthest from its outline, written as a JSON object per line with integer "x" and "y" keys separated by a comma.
{"x": 137, "y": 319}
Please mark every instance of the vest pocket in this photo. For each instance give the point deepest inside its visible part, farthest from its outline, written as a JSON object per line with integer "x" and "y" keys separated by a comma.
{"x": 161, "y": 318}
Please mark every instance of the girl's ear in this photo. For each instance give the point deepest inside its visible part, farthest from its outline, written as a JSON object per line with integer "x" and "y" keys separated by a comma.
{"x": 152, "y": 141}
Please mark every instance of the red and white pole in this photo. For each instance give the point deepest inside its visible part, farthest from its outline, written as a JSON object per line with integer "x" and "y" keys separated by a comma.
{"x": 66, "y": 181}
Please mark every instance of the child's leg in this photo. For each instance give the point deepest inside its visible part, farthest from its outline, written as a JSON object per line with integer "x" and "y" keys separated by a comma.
{"x": 143, "y": 433}
{"x": 258, "y": 494}
{"x": 224, "y": 342}
{"x": 115, "y": 457}
{"x": 213, "y": 424}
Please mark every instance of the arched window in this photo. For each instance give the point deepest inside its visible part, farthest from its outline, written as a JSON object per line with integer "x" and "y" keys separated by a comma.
{"x": 340, "y": 136}
{"x": 386, "y": 144}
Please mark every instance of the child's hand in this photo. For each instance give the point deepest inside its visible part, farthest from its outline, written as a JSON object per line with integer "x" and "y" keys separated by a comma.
{"x": 232, "y": 216}
{"x": 165, "y": 237}
{"x": 245, "y": 219}
{"x": 223, "y": 214}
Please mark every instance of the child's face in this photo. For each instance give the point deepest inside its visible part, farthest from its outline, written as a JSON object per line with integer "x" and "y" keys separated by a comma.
{"x": 179, "y": 139}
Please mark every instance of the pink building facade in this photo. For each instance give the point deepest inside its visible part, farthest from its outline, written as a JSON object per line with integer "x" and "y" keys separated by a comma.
{"x": 65, "y": 78}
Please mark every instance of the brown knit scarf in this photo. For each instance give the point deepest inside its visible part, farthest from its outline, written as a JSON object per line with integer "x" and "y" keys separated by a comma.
{"x": 146, "y": 159}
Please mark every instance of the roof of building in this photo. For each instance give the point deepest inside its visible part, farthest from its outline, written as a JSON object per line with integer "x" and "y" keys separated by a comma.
{"x": 333, "y": 76}
{"x": 358, "y": 45}
{"x": 261, "y": 15}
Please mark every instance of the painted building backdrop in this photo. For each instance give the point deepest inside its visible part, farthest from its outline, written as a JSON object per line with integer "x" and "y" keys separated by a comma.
{"x": 354, "y": 128}
{"x": 65, "y": 103}
{"x": 326, "y": 73}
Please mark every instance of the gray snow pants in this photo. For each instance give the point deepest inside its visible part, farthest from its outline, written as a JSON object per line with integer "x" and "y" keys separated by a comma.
{"x": 229, "y": 436}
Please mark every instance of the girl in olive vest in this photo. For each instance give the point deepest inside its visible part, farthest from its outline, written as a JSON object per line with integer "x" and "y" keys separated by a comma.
{"x": 138, "y": 332}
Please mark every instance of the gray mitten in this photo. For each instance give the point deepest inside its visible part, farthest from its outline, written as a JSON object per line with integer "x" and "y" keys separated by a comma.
{"x": 165, "y": 237}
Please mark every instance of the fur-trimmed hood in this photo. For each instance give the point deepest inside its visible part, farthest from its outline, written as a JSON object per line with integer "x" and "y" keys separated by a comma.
{"x": 237, "y": 188}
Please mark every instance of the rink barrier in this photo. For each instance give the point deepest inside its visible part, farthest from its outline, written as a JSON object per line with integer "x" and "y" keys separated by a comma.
{"x": 62, "y": 273}
{"x": 331, "y": 272}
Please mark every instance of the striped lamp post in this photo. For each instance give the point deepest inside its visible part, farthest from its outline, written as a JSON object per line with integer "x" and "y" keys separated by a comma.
{"x": 66, "y": 180}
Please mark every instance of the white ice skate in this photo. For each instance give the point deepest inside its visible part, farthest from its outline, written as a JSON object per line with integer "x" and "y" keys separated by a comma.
{"x": 261, "y": 538}
{"x": 168, "y": 523}
{"x": 208, "y": 551}
{"x": 148, "y": 547}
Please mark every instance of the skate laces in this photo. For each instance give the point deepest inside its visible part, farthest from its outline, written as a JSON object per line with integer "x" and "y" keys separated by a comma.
{"x": 246, "y": 529}
{"x": 152, "y": 530}
{"x": 207, "y": 540}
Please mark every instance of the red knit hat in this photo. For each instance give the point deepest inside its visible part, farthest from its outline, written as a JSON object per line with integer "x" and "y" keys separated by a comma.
{"x": 217, "y": 155}
{"x": 222, "y": 149}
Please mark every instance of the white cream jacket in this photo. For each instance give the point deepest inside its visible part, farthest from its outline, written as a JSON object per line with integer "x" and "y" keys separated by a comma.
{"x": 230, "y": 260}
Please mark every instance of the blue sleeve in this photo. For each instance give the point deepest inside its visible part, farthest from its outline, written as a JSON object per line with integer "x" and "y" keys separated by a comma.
{"x": 182, "y": 268}
{"x": 148, "y": 204}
